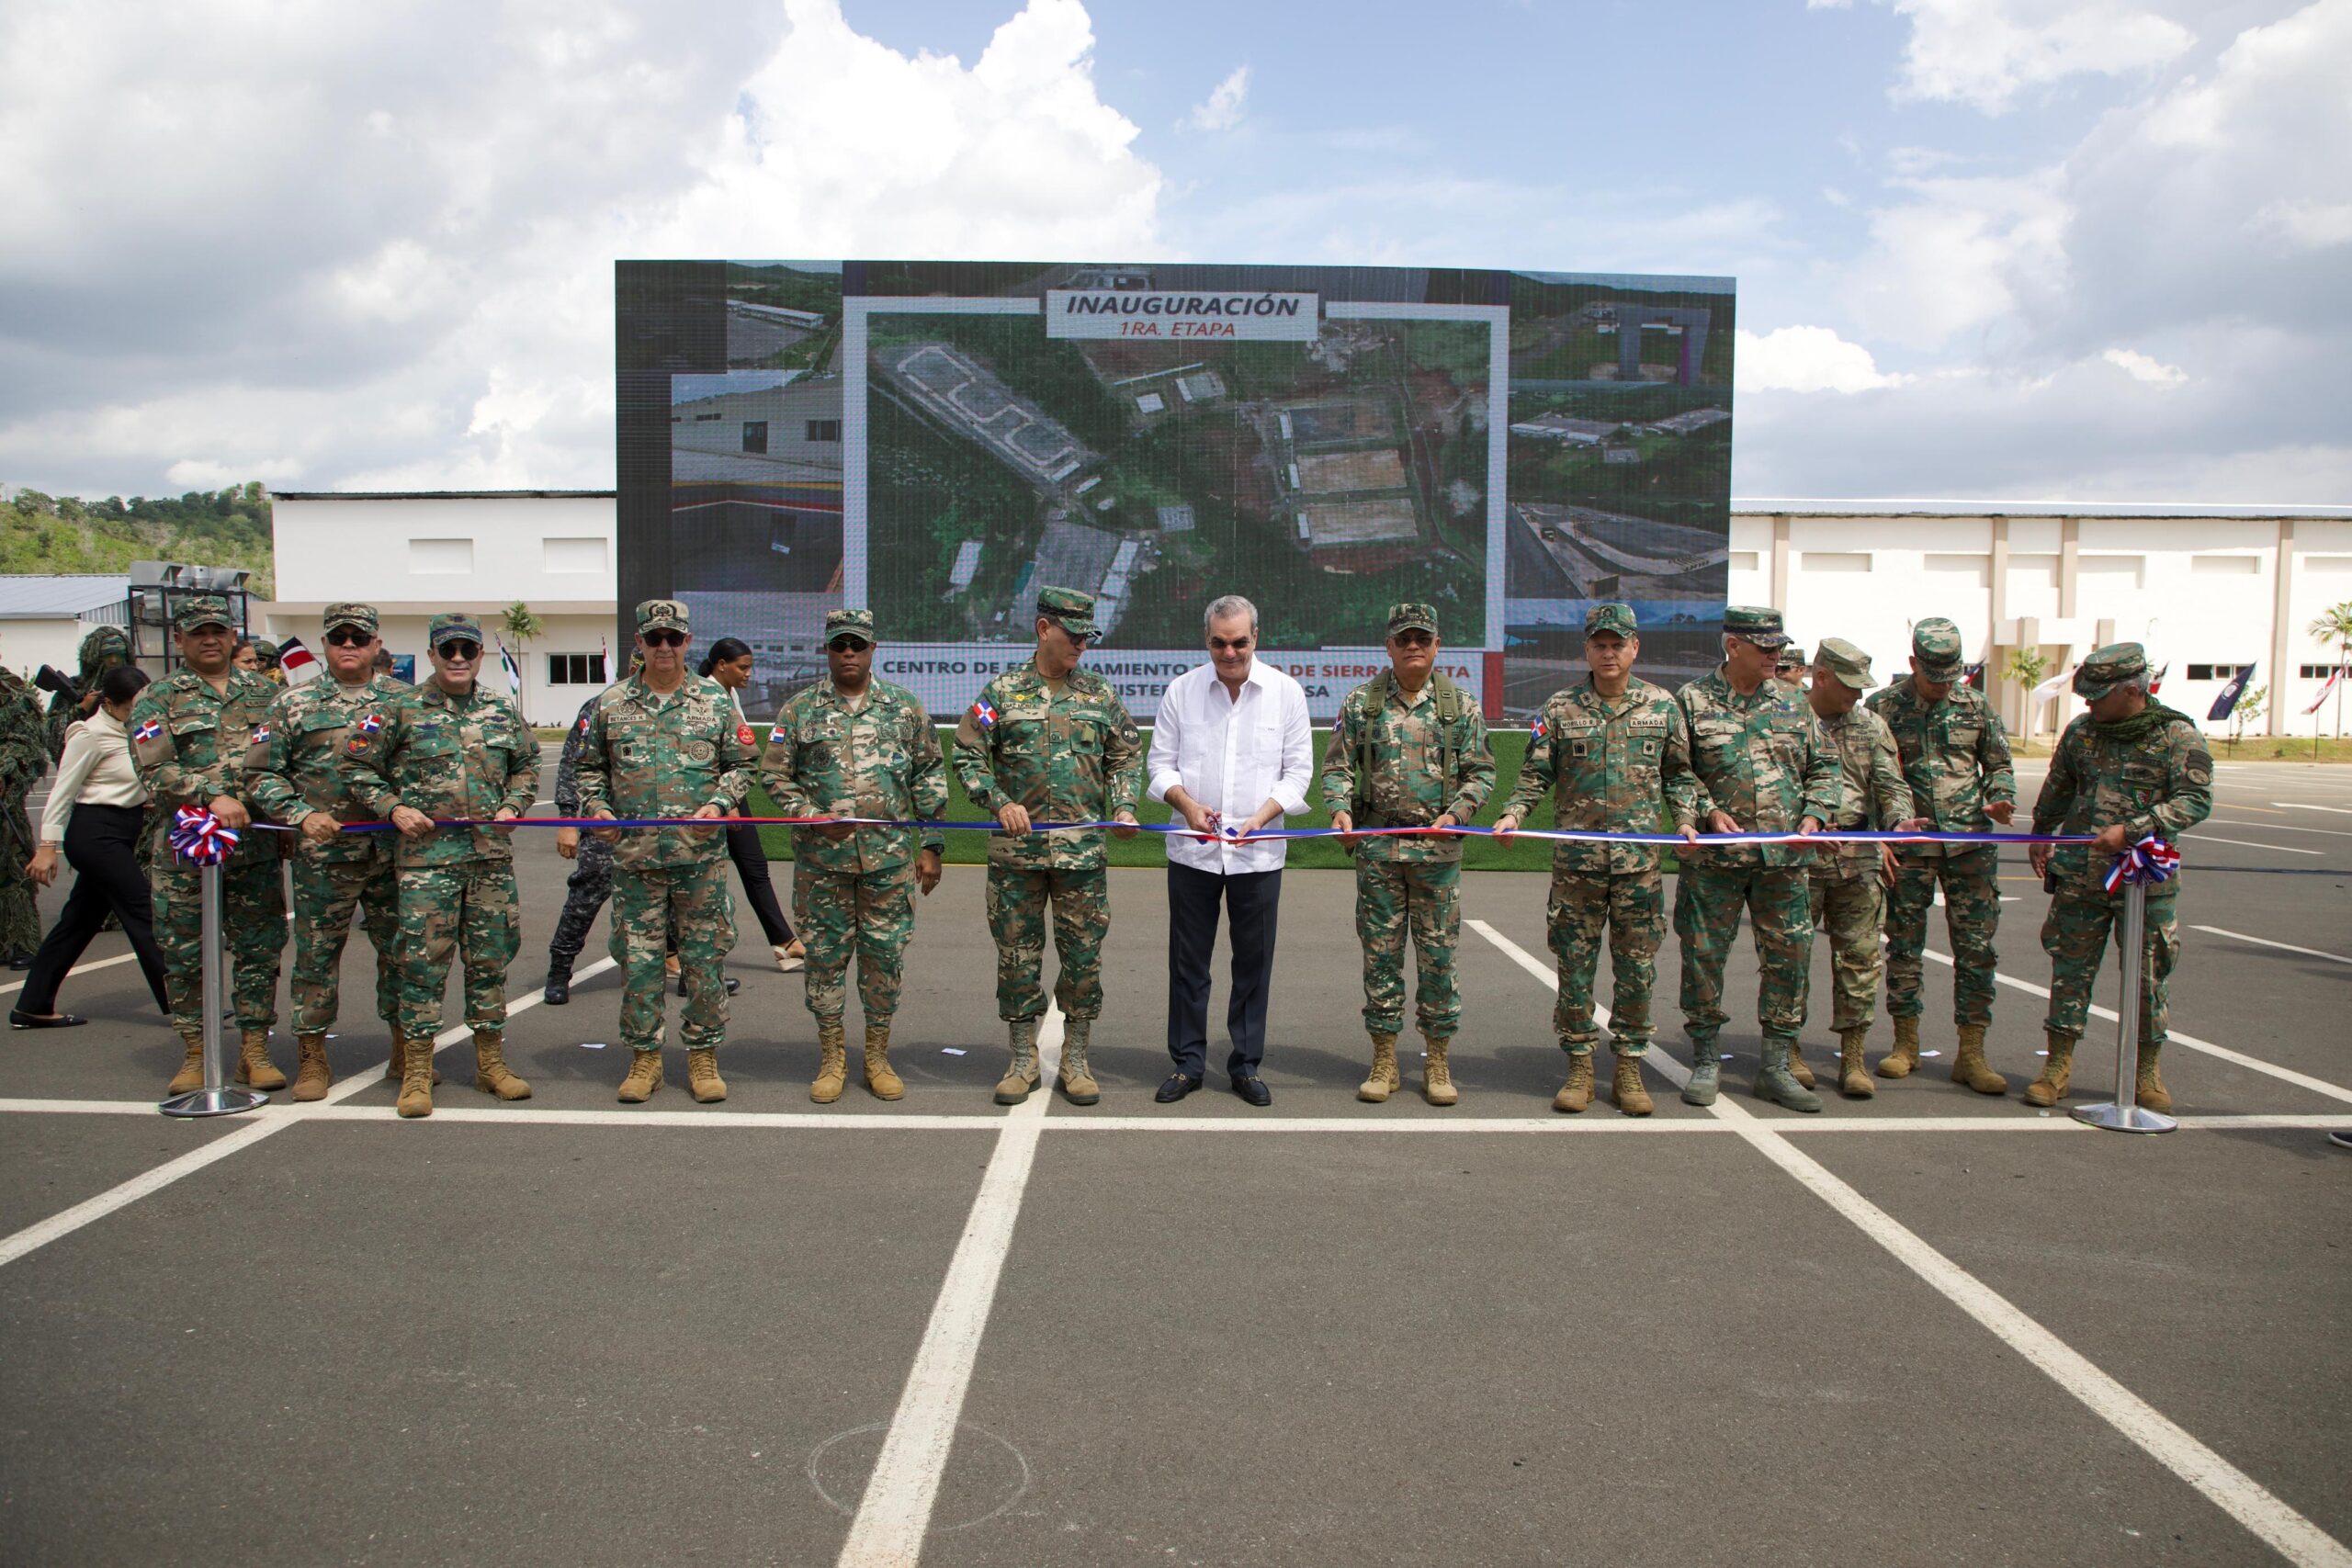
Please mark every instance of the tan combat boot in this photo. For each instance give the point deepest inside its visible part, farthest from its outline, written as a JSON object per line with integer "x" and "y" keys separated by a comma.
{"x": 702, "y": 1075}
{"x": 833, "y": 1061}
{"x": 1385, "y": 1080}
{"x": 1797, "y": 1069}
{"x": 1970, "y": 1067}
{"x": 880, "y": 1081}
{"x": 397, "y": 1069}
{"x": 491, "y": 1073}
{"x": 312, "y": 1074}
{"x": 1631, "y": 1098}
{"x": 1577, "y": 1093}
{"x": 1853, "y": 1074}
{"x": 416, "y": 1085}
{"x": 1021, "y": 1073}
{"x": 1437, "y": 1082}
{"x": 254, "y": 1067}
{"x": 2149, "y": 1087}
{"x": 190, "y": 1077}
{"x": 644, "y": 1080}
{"x": 2047, "y": 1089}
{"x": 1077, "y": 1083}
{"x": 1899, "y": 1062}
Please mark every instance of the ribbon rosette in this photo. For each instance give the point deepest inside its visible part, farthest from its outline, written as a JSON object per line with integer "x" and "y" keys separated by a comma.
{"x": 2150, "y": 861}
{"x": 201, "y": 839}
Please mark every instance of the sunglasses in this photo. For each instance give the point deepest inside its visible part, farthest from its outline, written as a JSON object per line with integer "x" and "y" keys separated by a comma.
{"x": 348, "y": 637}
{"x": 1080, "y": 638}
{"x": 1412, "y": 639}
{"x": 458, "y": 651}
{"x": 849, "y": 645}
{"x": 663, "y": 640}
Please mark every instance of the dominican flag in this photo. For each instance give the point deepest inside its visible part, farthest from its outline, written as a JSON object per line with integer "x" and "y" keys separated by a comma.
{"x": 153, "y": 728}
{"x": 1535, "y": 729}
{"x": 298, "y": 662}
{"x": 260, "y": 735}
{"x": 1975, "y": 676}
{"x": 2224, "y": 704}
{"x": 514, "y": 671}
{"x": 372, "y": 724}
{"x": 984, "y": 714}
{"x": 2157, "y": 680}
{"x": 2337, "y": 675}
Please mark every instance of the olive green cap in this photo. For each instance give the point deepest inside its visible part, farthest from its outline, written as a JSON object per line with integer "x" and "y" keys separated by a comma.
{"x": 661, "y": 615}
{"x": 361, "y": 617}
{"x": 1412, "y": 617}
{"x": 1754, "y": 622}
{"x": 2108, "y": 668}
{"x": 1842, "y": 658}
{"x": 1610, "y": 618}
{"x": 1074, "y": 610}
{"x": 1792, "y": 657}
{"x": 265, "y": 650}
{"x": 1935, "y": 643}
{"x": 452, "y": 627}
{"x": 203, "y": 609}
{"x": 858, "y": 624}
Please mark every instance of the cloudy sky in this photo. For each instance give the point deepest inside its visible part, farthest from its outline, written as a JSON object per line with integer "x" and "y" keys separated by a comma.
{"x": 2007, "y": 249}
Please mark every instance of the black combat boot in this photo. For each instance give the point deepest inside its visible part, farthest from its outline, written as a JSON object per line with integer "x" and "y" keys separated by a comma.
{"x": 559, "y": 989}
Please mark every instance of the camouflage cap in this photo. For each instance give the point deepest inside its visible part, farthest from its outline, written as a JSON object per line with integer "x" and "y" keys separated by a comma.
{"x": 1610, "y": 618}
{"x": 858, "y": 624}
{"x": 1074, "y": 610}
{"x": 2108, "y": 668}
{"x": 202, "y": 610}
{"x": 1412, "y": 617}
{"x": 265, "y": 650}
{"x": 362, "y": 616}
{"x": 1935, "y": 643}
{"x": 661, "y": 615}
{"x": 1842, "y": 658}
{"x": 1792, "y": 657}
{"x": 105, "y": 644}
{"x": 1755, "y": 624}
{"x": 452, "y": 627}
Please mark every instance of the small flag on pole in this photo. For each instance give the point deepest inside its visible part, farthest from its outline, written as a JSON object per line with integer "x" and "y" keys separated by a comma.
{"x": 2226, "y": 704}
{"x": 604, "y": 659}
{"x": 298, "y": 662}
{"x": 514, "y": 671}
{"x": 2334, "y": 676}
{"x": 1975, "y": 676}
{"x": 2157, "y": 680}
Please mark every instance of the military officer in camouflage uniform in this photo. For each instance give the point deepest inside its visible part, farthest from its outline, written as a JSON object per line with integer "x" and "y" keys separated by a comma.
{"x": 1849, "y": 881}
{"x": 1787, "y": 668}
{"x": 590, "y": 885}
{"x": 1763, "y": 768}
{"x": 446, "y": 748}
{"x": 1956, "y": 760}
{"x": 24, "y": 757}
{"x": 198, "y": 737}
{"x": 1409, "y": 750}
{"x": 666, "y": 742}
{"x": 104, "y": 649}
{"x": 853, "y": 746}
{"x": 1617, "y": 752}
{"x": 2128, "y": 768}
{"x": 304, "y": 784}
{"x": 1050, "y": 742}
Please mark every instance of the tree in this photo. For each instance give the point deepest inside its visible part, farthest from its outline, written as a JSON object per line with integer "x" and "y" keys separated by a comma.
{"x": 2251, "y": 702}
{"x": 2335, "y": 625}
{"x": 2026, "y": 667}
{"x": 519, "y": 623}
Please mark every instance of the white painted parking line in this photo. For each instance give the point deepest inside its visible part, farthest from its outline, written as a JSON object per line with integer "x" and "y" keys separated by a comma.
{"x": 2284, "y": 1075}
{"x": 2265, "y": 942}
{"x": 78, "y": 969}
{"x": 2280, "y": 827}
{"x": 2307, "y": 805}
{"x": 896, "y": 1512}
{"x": 259, "y": 1124}
{"x": 2245, "y": 844}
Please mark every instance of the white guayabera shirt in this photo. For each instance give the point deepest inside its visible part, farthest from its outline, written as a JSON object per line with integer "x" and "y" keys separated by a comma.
{"x": 1233, "y": 754}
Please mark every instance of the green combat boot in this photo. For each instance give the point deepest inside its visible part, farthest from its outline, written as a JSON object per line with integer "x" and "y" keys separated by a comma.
{"x": 2050, "y": 1087}
{"x": 1706, "y": 1074}
{"x": 1077, "y": 1081}
{"x": 1900, "y": 1062}
{"x": 1776, "y": 1083}
{"x": 1020, "y": 1074}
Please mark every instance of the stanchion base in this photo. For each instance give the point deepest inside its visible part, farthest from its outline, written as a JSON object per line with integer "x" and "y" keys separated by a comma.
{"x": 213, "y": 1102}
{"x": 2124, "y": 1118}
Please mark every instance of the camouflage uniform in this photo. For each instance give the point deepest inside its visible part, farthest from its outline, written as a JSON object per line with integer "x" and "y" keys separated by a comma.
{"x": 103, "y": 649}
{"x": 1617, "y": 765}
{"x": 449, "y": 756}
{"x": 193, "y": 745}
{"x": 1414, "y": 769}
{"x": 23, "y": 759}
{"x": 1761, "y": 759}
{"x": 1956, "y": 761}
{"x": 1849, "y": 894}
{"x": 309, "y": 738}
{"x": 591, "y": 882}
{"x": 877, "y": 758}
{"x": 650, "y": 755}
{"x": 2152, "y": 773}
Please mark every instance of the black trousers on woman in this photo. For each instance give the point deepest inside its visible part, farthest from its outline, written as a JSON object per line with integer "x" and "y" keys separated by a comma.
{"x": 102, "y": 846}
{"x": 751, "y": 858}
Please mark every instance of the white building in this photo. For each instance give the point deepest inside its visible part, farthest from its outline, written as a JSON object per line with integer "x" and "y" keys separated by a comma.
{"x": 44, "y": 619}
{"x": 414, "y": 555}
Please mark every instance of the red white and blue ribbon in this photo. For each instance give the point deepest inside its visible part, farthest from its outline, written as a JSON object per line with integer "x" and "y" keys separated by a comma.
{"x": 2149, "y": 861}
{"x": 201, "y": 839}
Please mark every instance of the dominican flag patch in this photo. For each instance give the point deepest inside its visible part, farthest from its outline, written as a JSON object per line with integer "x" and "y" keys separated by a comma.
{"x": 775, "y": 736}
{"x": 261, "y": 735}
{"x": 584, "y": 724}
{"x": 743, "y": 735}
{"x": 984, "y": 714}
{"x": 371, "y": 723}
{"x": 147, "y": 731}
{"x": 1535, "y": 727}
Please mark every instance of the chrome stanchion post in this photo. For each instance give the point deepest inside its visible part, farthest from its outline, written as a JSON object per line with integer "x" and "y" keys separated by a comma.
{"x": 2126, "y": 1114}
{"x": 216, "y": 1098}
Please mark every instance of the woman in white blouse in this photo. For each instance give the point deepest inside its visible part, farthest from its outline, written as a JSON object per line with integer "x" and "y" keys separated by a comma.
{"x": 728, "y": 662}
{"x": 97, "y": 810}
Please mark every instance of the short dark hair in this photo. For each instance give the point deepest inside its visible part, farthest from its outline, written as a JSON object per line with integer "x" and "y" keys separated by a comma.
{"x": 725, "y": 651}
{"x": 122, "y": 683}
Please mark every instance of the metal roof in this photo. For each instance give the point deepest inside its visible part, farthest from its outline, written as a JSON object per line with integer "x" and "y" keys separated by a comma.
{"x": 1756, "y": 506}
{"x": 53, "y": 598}
{"x": 438, "y": 494}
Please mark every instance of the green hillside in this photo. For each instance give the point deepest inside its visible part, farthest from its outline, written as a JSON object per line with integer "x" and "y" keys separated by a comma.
{"x": 66, "y": 533}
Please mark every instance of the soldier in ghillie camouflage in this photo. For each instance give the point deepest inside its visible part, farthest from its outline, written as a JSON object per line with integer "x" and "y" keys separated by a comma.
{"x": 1050, "y": 742}
{"x": 1409, "y": 750}
{"x": 1616, "y": 752}
{"x": 2128, "y": 768}
{"x": 853, "y": 746}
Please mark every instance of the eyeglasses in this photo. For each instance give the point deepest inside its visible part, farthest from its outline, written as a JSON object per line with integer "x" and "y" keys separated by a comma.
{"x": 349, "y": 636}
{"x": 663, "y": 640}
{"x": 458, "y": 651}
{"x": 1412, "y": 639}
{"x": 1081, "y": 638}
{"x": 1231, "y": 645}
{"x": 849, "y": 645}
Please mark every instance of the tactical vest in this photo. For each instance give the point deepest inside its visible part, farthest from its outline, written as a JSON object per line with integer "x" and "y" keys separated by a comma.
{"x": 1375, "y": 692}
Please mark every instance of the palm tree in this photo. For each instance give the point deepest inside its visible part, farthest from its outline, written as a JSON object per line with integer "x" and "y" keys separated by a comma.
{"x": 518, "y": 623}
{"x": 2335, "y": 625}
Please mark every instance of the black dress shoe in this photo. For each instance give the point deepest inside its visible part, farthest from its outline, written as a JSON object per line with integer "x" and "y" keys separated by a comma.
{"x": 1177, "y": 1086}
{"x": 1254, "y": 1090}
{"x": 21, "y": 961}
{"x": 18, "y": 1019}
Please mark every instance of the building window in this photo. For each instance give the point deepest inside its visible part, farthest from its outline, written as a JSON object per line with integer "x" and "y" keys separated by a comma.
{"x": 755, "y": 435}
{"x": 575, "y": 670}
{"x": 440, "y": 558}
{"x": 2214, "y": 671}
{"x": 824, "y": 430}
{"x": 582, "y": 555}
{"x": 2317, "y": 671}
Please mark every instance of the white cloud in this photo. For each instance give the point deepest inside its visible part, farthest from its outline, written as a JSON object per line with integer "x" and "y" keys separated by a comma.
{"x": 2140, "y": 368}
{"x": 1222, "y": 109}
{"x": 2306, "y": 225}
{"x": 1984, "y": 53}
{"x": 204, "y": 473}
{"x": 1958, "y": 257}
{"x": 1805, "y": 359}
